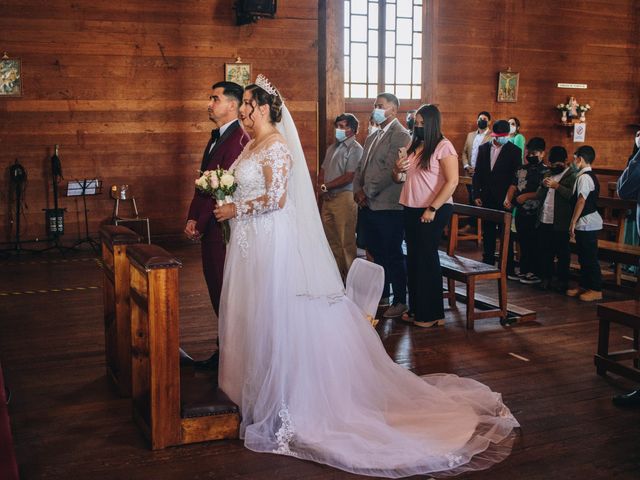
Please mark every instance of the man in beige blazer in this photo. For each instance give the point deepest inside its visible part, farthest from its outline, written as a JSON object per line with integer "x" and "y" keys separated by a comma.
{"x": 470, "y": 151}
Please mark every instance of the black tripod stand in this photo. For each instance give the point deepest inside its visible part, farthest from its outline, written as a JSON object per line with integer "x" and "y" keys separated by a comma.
{"x": 55, "y": 215}
{"x": 86, "y": 187}
{"x": 18, "y": 186}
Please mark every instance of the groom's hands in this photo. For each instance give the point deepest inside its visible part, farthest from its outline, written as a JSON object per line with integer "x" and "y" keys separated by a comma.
{"x": 225, "y": 212}
{"x": 190, "y": 230}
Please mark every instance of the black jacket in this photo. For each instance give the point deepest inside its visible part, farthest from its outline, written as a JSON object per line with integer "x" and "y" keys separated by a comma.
{"x": 491, "y": 186}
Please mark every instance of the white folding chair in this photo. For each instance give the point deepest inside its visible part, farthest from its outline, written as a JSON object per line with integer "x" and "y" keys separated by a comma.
{"x": 365, "y": 282}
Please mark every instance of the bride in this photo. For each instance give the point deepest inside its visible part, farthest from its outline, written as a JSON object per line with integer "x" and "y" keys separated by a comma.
{"x": 310, "y": 375}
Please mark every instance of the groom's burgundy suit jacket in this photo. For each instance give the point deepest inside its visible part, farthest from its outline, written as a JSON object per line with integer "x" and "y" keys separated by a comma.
{"x": 223, "y": 154}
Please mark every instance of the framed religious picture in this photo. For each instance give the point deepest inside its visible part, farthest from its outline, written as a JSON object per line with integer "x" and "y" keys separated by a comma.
{"x": 238, "y": 72}
{"x": 508, "y": 86}
{"x": 10, "y": 77}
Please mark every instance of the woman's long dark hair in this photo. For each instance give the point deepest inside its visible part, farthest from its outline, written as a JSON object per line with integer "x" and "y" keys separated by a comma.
{"x": 432, "y": 133}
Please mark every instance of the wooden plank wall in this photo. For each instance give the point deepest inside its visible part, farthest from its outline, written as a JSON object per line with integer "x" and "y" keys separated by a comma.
{"x": 584, "y": 41}
{"x": 123, "y": 88}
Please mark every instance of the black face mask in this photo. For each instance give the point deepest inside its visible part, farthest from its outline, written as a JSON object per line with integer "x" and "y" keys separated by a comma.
{"x": 533, "y": 159}
{"x": 418, "y": 132}
{"x": 410, "y": 123}
{"x": 557, "y": 168}
{"x": 482, "y": 124}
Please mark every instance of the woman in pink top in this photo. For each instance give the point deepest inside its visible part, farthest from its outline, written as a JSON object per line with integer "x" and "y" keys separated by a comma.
{"x": 429, "y": 170}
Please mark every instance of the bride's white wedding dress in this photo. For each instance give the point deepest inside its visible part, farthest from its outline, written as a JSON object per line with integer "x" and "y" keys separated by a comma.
{"x": 311, "y": 375}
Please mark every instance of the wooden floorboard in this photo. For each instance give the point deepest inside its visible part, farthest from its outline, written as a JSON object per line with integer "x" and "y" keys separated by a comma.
{"x": 68, "y": 423}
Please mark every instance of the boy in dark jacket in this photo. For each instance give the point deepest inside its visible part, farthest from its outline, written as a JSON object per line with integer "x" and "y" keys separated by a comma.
{"x": 522, "y": 195}
{"x": 554, "y": 217}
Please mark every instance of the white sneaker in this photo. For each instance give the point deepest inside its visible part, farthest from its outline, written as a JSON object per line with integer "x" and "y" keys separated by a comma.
{"x": 530, "y": 279}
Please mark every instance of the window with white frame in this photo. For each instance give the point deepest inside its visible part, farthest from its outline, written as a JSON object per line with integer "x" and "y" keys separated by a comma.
{"x": 382, "y": 48}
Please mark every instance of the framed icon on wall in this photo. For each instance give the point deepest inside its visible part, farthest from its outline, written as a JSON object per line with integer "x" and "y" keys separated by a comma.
{"x": 508, "y": 86}
{"x": 10, "y": 77}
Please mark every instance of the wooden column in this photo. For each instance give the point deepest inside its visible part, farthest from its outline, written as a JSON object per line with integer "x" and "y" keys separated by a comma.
{"x": 169, "y": 408}
{"x": 117, "y": 327}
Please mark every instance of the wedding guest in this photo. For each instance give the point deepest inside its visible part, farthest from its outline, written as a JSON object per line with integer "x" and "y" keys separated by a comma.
{"x": 515, "y": 136}
{"x": 554, "y": 218}
{"x": 522, "y": 197}
{"x": 338, "y": 210}
{"x": 586, "y": 222}
{"x": 480, "y": 136}
{"x": 629, "y": 189}
{"x": 636, "y": 146}
{"x": 429, "y": 171}
{"x": 411, "y": 119}
{"x": 224, "y": 146}
{"x": 495, "y": 170}
{"x": 377, "y": 197}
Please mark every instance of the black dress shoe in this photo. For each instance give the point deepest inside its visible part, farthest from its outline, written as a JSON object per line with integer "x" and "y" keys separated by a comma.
{"x": 628, "y": 400}
{"x": 210, "y": 363}
{"x": 185, "y": 358}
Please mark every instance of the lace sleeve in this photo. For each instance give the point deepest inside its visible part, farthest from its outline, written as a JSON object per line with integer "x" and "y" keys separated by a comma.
{"x": 275, "y": 164}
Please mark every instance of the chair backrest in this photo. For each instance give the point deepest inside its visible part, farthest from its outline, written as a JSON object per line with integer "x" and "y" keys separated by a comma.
{"x": 365, "y": 282}
{"x": 500, "y": 217}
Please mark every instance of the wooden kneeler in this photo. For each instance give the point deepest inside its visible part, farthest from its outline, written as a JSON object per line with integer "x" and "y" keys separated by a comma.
{"x": 169, "y": 411}
{"x": 117, "y": 327}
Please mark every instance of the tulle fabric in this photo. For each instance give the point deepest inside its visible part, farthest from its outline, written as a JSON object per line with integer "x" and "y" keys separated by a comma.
{"x": 313, "y": 380}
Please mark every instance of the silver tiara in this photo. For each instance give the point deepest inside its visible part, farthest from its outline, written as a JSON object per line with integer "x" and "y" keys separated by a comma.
{"x": 264, "y": 83}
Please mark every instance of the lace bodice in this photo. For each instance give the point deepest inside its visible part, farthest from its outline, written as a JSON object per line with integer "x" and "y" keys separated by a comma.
{"x": 262, "y": 176}
{"x": 262, "y": 179}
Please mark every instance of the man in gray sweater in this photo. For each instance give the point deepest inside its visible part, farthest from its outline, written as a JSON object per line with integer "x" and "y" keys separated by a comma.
{"x": 377, "y": 196}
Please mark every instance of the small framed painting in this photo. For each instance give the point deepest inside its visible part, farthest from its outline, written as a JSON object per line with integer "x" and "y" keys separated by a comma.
{"x": 508, "y": 86}
{"x": 10, "y": 77}
{"x": 239, "y": 73}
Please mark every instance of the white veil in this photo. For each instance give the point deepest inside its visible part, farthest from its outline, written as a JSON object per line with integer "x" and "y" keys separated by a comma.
{"x": 318, "y": 275}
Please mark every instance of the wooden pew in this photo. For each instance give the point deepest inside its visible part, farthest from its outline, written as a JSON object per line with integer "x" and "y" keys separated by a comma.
{"x": 462, "y": 269}
{"x": 477, "y": 237}
{"x": 626, "y": 313}
{"x": 614, "y": 216}
{"x": 171, "y": 407}
{"x": 117, "y": 327}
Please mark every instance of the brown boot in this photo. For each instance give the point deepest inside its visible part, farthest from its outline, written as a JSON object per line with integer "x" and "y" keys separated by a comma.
{"x": 575, "y": 292}
{"x": 590, "y": 296}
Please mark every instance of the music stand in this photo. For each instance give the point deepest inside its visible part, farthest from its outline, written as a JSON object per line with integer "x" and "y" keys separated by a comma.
{"x": 87, "y": 186}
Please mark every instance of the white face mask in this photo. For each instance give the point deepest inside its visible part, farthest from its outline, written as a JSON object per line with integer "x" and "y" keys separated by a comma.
{"x": 638, "y": 140}
{"x": 512, "y": 129}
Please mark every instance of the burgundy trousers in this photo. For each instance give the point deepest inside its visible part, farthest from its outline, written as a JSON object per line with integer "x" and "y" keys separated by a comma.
{"x": 213, "y": 253}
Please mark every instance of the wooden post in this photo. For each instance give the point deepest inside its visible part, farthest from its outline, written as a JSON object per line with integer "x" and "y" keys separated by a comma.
{"x": 168, "y": 411}
{"x": 154, "y": 348}
{"x": 117, "y": 328}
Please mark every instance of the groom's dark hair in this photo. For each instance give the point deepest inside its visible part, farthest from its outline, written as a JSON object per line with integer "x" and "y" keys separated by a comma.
{"x": 232, "y": 90}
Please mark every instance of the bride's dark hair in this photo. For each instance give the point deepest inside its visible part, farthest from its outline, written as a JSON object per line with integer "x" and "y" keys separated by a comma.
{"x": 262, "y": 97}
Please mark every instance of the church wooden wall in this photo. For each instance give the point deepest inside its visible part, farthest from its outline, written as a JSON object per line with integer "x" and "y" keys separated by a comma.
{"x": 548, "y": 42}
{"x": 123, "y": 88}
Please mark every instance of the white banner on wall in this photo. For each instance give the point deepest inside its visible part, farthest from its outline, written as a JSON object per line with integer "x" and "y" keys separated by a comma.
{"x": 579, "y": 132}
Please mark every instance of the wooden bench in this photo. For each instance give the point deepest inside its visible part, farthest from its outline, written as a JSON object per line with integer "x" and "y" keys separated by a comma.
{"x": 171, "y": 407}
{"x": 462, "y": 269}
{"x": 619, "y": 253}
{"x": 477, "y": 236}
{"x": 626, "y": 313}
{"x": 117, "y": 327}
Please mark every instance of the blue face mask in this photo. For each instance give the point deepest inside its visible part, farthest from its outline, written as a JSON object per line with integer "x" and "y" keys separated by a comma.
{"x": 502, "y": 140}
{"x": 379, "y": 115}
{"x": 341, "y": 134}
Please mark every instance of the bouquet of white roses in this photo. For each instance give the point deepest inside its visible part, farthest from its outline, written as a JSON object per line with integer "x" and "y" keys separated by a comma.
{"x": 563, "y": 107}
{"x": 584, "y": 108}
{"x": 220, "y": 184}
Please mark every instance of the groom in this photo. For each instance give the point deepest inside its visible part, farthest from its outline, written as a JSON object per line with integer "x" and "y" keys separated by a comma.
{"x": 223, "y": 148}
